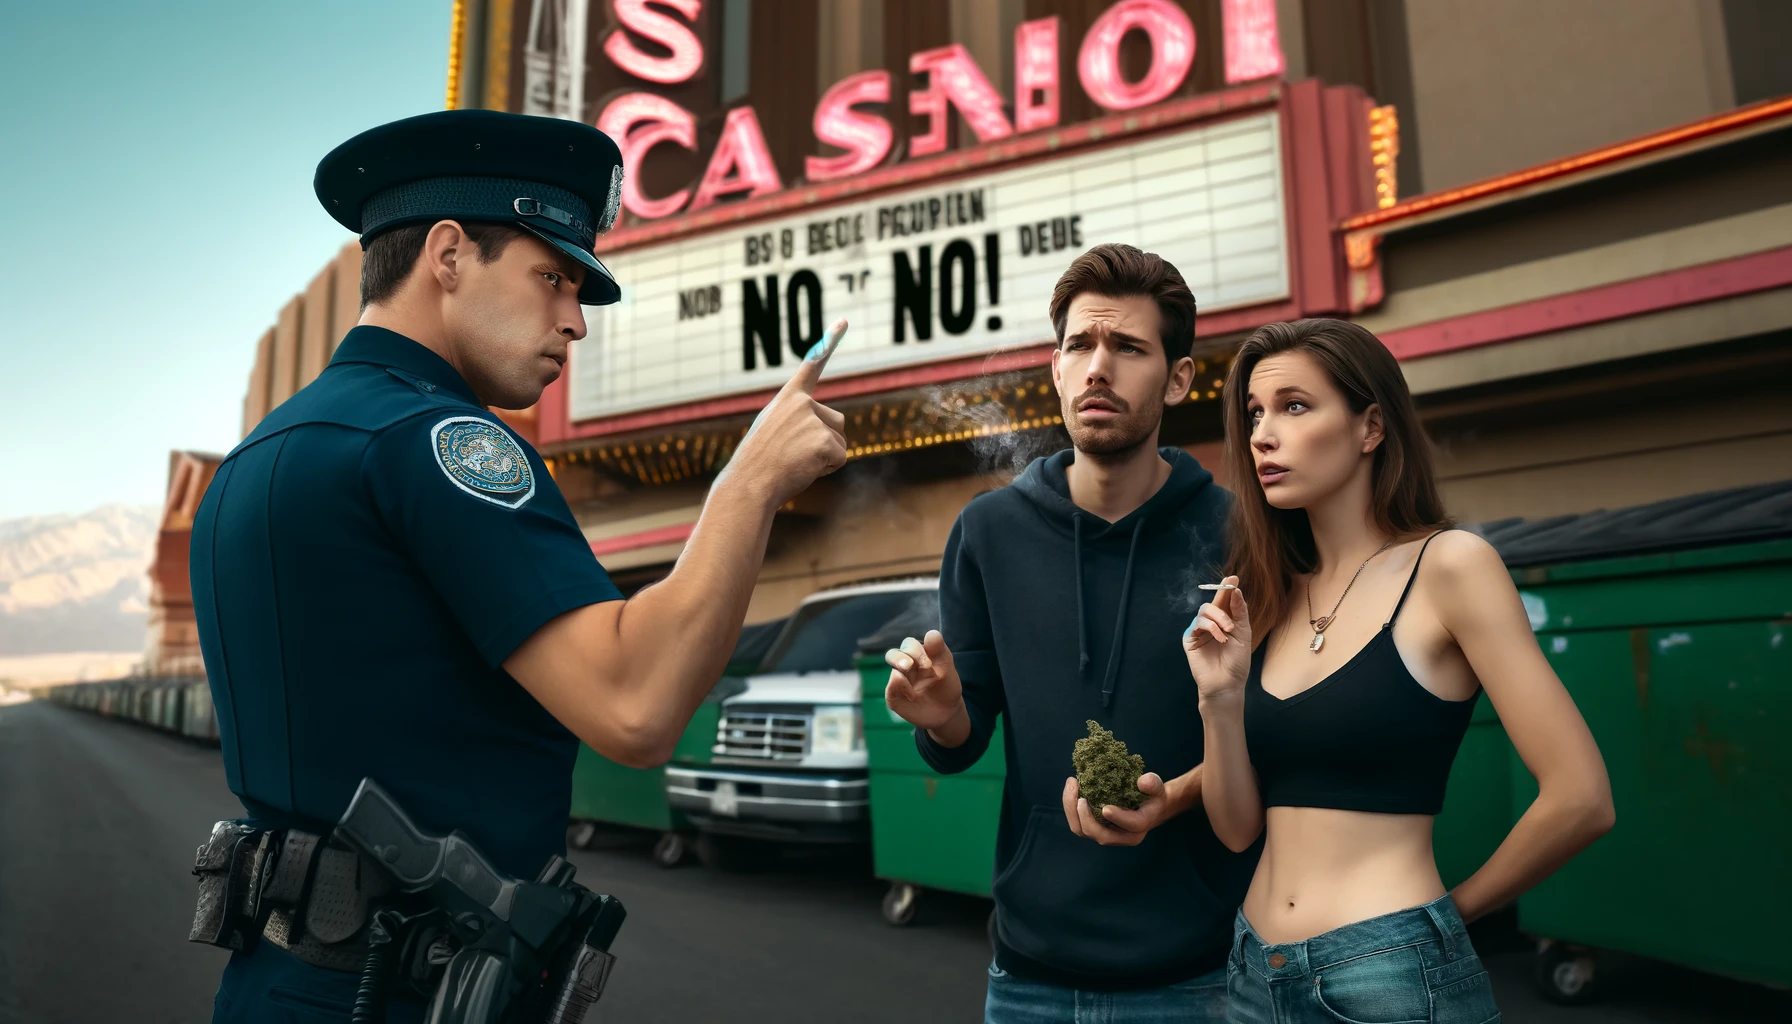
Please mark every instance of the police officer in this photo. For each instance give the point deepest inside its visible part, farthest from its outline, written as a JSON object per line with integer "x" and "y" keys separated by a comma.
{"x": 388, "y": 582}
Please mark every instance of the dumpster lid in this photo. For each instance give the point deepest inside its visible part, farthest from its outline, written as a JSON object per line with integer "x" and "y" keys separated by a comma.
{"x": 756, "y": 640}
{"x": 1737, "y": 515}
{"x": 919, "y": 615}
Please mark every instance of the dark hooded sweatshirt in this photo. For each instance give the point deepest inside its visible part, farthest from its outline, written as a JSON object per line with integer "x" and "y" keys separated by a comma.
{"x": 1055, "y": 616}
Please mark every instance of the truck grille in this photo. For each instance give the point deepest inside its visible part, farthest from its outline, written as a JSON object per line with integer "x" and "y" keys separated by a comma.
{"x": 772, "y": 734}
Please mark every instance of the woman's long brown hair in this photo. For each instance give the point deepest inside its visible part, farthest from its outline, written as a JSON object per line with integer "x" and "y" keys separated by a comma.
{"x": 1270, "y": 546}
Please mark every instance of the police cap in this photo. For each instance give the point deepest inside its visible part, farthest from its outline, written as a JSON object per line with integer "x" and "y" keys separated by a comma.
{"x": 558, "y": 180}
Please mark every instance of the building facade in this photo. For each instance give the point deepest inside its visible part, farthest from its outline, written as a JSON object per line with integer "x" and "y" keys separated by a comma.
{"x": 1572, "y": 228}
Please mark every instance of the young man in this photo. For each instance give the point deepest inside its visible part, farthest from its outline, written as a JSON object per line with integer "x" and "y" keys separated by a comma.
{"x": 1064, "y": 598}
{"x": 388, "y": 583}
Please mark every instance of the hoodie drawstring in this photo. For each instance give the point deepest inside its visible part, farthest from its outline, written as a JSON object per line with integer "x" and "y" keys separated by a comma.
{"x": 1082, "y": 627}
{"x": 1107, "y": 683}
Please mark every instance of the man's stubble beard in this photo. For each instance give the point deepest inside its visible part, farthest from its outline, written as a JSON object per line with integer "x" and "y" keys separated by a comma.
{"x": 1113, "y": 444}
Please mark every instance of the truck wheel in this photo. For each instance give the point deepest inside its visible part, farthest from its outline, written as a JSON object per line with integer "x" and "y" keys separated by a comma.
{"x": 670, "y": 850}
{"x": 1566, "y": 975}
{"x": 900, "y": 902}
{"x": 732, "y": 853}
{"x": 580, "y": 833}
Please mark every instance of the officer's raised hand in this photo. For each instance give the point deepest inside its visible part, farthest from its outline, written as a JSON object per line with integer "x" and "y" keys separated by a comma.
{"x": 796, "y": 440}
{"x": 925, "y": 690}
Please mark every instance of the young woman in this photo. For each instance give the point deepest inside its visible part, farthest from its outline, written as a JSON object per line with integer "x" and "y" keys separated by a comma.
{"x": 1333, "y": 705}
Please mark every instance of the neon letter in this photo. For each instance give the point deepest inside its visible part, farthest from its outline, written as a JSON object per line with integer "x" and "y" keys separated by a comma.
{"x": 865, "y": 137}
{"x": 687, "y": 50}
{"x": 741, "y": 163}
{"x": 658, "y": 120}
{"x": 1036, "y": 70}
{"x": 1253, "y": 49}
{"x": 1172, "y": 53}
{"x": 953, "y": 77}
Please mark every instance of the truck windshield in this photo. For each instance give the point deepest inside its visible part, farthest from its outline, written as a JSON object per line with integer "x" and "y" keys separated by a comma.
{"x": 823, "y": 636}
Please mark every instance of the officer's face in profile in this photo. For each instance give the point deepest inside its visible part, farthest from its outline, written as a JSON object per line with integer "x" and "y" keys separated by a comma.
{"x": 511, "y": 322}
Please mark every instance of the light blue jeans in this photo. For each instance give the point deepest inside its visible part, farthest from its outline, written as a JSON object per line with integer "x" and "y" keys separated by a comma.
{"x": 1199, "y": 1000}
{"x": 1410, "y": 967}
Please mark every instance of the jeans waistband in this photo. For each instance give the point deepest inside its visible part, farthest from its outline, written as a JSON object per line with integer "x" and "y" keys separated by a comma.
{"x": 1436, "y": 921}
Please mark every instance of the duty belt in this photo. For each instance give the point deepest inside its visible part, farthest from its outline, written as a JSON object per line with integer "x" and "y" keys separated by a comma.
{"x": 299, "y": 891}
{"x": 410, "y": 912}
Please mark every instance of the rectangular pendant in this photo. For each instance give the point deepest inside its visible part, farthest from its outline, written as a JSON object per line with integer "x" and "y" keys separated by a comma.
{"x": 1318, "y": 642}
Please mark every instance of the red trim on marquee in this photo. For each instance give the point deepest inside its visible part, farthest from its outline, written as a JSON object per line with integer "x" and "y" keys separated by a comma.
{"x": 644, "y": 539}
{"x": 1704, "y": 283}
{"x": 1639, "y": 146}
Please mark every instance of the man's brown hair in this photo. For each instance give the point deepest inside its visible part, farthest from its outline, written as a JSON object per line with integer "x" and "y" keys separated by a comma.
{"x": 1119, "y": 271}
{"x": 389, "y": 257}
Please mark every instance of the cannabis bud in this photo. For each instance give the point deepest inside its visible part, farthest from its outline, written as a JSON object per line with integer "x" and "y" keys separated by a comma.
{"x": 1106, "y": 775}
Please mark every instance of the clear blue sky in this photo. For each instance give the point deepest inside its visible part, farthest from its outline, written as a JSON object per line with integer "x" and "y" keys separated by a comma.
{"x": 156, "y": 159}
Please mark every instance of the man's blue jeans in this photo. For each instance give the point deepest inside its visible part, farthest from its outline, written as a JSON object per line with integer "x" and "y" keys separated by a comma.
{"x": 1011, "y": 1000}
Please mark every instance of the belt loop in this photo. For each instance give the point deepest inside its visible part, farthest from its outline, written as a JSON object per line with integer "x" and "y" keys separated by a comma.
{"x": 1448, "y": 925}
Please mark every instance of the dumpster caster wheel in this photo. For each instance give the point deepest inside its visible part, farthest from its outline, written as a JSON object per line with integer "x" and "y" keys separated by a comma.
{"x": 670, "y": 850}
{"x": 900, "y": 902}
{"x": 580, "y": 833}
{"x": 1566, "y": 976}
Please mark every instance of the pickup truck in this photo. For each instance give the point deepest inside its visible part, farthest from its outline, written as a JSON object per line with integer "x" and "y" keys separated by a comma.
{"x": 789, "y": 763}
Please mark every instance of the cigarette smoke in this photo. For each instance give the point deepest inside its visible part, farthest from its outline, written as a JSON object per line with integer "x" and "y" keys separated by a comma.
{"x": 1001, "y": 450}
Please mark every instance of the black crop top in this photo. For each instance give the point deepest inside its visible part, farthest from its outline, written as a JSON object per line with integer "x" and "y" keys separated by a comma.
{"x": 1367, "y": 737}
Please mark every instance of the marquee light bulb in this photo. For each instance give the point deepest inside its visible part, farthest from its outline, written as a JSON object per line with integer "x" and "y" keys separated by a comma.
{"x": 865, "y": 137}
{"x": 1172, "y": 38}
{"x": 639, "y": 121}
{"x": 686, "y": 59}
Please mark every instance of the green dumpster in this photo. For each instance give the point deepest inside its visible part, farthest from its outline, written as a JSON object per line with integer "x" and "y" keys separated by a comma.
{"x": 927, "y": 830}
{"x": 1671, "y": 625}
{"x": 1477, "y": 810}
{"x": 604, "y": 792}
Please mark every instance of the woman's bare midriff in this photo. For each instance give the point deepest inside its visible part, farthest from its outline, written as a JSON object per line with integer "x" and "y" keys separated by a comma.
{"x": 1325, "y": 868}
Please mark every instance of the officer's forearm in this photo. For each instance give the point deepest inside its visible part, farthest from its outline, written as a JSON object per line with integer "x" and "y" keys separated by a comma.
{"x": 626, "y": 676}
{"x": 679, "y": 633}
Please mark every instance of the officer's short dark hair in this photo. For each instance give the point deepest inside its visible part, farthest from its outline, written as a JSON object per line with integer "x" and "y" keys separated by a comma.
{"x": 1120, "y": 271}
{"x": 390, "y": 256}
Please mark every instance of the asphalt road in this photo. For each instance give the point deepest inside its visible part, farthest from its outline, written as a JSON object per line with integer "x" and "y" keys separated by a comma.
{"x": 98, "y": 821}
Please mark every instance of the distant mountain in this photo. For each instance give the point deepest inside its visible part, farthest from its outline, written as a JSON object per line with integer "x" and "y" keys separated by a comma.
{"x": 76, "y": 583}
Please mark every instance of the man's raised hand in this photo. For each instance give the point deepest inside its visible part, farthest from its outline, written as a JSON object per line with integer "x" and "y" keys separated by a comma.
{"x": 924, "y": 688}
{"x": 795, "y": 440}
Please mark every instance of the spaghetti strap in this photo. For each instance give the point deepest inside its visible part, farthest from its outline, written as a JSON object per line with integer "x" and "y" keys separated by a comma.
{"x": 1410, "y": 579}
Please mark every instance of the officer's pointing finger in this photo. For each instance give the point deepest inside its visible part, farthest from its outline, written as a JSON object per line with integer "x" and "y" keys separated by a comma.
{"x": 808, "y": 373}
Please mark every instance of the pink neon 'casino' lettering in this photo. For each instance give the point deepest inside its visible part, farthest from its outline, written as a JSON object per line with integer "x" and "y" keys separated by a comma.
{"x": 741, "y": 162}
{"x": 638, "y": 121}
{"x": 686, "y": 59}
{"x": 1172, "y": 53}
{"x": 865, "y": 137}
{"x": 953, "y": 77}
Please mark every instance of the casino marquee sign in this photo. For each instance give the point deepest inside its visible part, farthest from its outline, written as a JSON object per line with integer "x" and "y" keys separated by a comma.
{"x": 943, "y": 261}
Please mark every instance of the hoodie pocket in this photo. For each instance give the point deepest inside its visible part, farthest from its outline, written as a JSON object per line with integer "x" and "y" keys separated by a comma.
{"x": 1072, "y": 903}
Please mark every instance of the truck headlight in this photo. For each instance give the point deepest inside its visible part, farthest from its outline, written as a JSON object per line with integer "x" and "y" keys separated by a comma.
{"x": 838, "y": 730}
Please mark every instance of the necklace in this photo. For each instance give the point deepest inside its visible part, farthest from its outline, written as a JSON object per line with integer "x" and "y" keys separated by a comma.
{"x": 1319, "y": 625}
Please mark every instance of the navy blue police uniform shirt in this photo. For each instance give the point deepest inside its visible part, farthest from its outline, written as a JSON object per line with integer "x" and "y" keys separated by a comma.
{"x": 362, "y": 564}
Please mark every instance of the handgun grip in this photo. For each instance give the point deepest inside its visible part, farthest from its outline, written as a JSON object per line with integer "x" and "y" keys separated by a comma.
{"x": 376, "y": 825}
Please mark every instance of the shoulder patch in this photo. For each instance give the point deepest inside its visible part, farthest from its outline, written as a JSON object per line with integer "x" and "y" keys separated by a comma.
{"x": 479, "y": 457}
